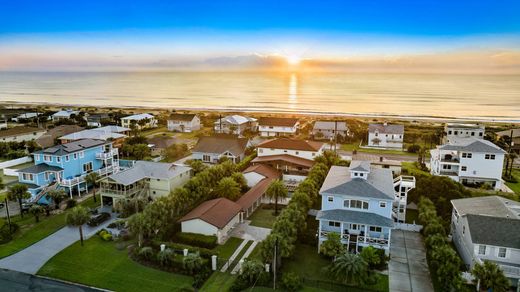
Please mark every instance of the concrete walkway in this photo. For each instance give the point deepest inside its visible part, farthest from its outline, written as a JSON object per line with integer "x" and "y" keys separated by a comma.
{"x": 245, "y": 231}
{"x": 407, "y": 269}
{"x": 234, "y": 255}
{"x": 246, "y": 254}
{"x": 31, "y": 259}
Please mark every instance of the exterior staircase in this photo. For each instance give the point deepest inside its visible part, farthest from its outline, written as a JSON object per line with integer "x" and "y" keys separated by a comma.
{"x": 43, "y": 192}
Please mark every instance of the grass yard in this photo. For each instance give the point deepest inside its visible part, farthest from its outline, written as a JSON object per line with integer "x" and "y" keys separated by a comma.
{"x": 515, "y": 186}
{"x": 226, "y": 250}
{"x": 100, "y": 264}
{"x": 411, "y": 169}
{"x": 31, "y": 232}
{"x": 263, "y": 217}
{"x": 218, "y": 282}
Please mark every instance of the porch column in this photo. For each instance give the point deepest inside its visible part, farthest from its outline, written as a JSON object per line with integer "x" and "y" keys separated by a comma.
{"x": 79, "y": 190}
{"x": 366, "y": 233}
{"x": 70, "y": 191}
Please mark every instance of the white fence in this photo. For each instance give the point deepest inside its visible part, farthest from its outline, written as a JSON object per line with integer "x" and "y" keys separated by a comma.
{"x": 10, "y": 172}
{"x": 408, "y": 227}
{"x": 14, "y": 162}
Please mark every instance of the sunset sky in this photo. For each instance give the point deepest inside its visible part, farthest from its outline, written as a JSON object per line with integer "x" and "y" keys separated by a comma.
{"x": 431, "y": 36}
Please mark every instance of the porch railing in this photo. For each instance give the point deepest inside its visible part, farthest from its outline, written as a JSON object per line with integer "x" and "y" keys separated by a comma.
{"x": 80, "y": 179}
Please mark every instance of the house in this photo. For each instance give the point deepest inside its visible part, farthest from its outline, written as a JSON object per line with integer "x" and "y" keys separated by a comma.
{"x": 115, "y": 134}
{"x": 49, "y": 138}
{"x": 385, "y": 136}
{"x": 25, "y": 116}
{"x": 3, "y": 124}
{"x": 158, "y": 144}
{"x": 210, "y": 149}
{"x": 275, "y": 127}
{"x": 361, "y": 203}
{"x": 215, "y": 217}
{"x": 258, "y": 178}
{"x": 185, "y": 123}
{"x": 141, "y": 121}
{"x": 470, "y": 161}
{"x": 235, "y": 124}
{"x": 65, "y": 166}
{"x": 327, "y": 129}
{"x": 19, "y": 134}
{"x": 63, "y": 115}
{"x": 455, "y": 131}
{"x": 94, "y": 120}
{"x": 515, "y": 133}
{"x": 144, "y": 179}
{"x": 488, "y": 228}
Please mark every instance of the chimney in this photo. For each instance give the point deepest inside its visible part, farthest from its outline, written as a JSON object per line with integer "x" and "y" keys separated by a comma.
{"x": 381, "y": 158}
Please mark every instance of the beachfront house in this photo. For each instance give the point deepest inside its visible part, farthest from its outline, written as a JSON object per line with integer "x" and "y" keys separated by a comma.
{"x": 115, "y": 134}
{"x": 65, "y": 166}
{"x": 470, "y": 161}
{"x": 515, "y": 134}
{"x": 455, "y": 131}
{"x": 64, "y": 115}
{"x": 20, "y": 134}
{"x": 144, "y": 179}
{"x": 210, "y": 149}
{"x": 275, "y": 127}
{"x": 184, "y": 123}
{"x": 24, "y": 117}
{"x": 488, "y": 228}
{"x": 385, "y": 136}
{"x": 235, "y": 124}
{"x": 361, "y": 203}
{"x": 140, "y": 121}
{"x": 95, "y": 120}
{"x": 159, "y": 144}
{"x": 329, "y": 129}
{"x": 259, "y": 177}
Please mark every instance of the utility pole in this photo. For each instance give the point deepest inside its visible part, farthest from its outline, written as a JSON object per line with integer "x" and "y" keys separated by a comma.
{"x": 275, "y": 260}
{"x": 220, "y": 123}
{"x": 509, "y": 154}
{"x": 336, "y": 136}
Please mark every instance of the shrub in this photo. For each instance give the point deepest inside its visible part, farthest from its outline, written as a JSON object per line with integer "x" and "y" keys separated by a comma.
{"x": 291, "y": 282}
{"x": 194, "y": 239}
{"x": 200, "y": 278}
{"x": 165, "y": 257}
{"x": 117, "y": 224}
{"x": 332, "y": 246}
{"x": 5, "y": 235}
{"x": 71, "y": 203}
{"x": 146, "y": 253}
{"x": 414, "y": 148}
{"x": 107, "y": 237}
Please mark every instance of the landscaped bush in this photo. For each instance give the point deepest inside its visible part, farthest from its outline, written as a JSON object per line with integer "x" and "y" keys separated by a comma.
{"x": 117, "y": 224}
{"x": 165, "y": 257}
{"x": 291, "y": 282}
{"x": 414, "y": 148}
{"x": 107, "y": 236}
{"x": 198, "y": 240}
{"x": 71, "y": 203}
{"x": 252, "y": 273}
{"x": 5, "y": 234}
{"x": 146, "y": 253}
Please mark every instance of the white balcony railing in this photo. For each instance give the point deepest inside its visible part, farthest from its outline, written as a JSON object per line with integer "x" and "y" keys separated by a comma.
{"x": 372, "y": 240}
{"x": 107, "y": 154}
{"x": 80, "y": 179}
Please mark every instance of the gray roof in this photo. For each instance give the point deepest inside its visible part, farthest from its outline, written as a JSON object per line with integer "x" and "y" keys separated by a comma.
{"x": 360, "y": 217}
{"x": 64, "y": 149}
{"x": 494, "y": 231}
{"x": 465, "y": 126}
{"x": 493, "y": 206}
{"x": 516, "y": 133}
{"x": 148, "y": 169}
{"x": 39, "y": 168}
{"x": 330, "y": 125}
{"x": 379, "y": 183}
{"x": 359, "y": 165}
{"x": 103, "y": 133}
{"x": 218, "y": 144}
{"x": 473, "y": 145}
{"x": 386, "y": 128}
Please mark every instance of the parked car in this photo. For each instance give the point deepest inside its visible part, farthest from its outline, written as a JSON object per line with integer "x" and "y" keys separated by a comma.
{"x": 98, "y": 219}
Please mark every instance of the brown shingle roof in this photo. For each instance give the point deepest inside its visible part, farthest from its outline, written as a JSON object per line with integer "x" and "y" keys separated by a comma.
{"x": 291, "y": 144}
{"x": 280, "y": 122}
{"x": 217, "y": 212}
{"x": 19, "y": 131}
{"x": 264, "y": 170}
{"x": 220, "y": 144}
{"x": 182, "y": 117}
{"x": 47, "y": 139}
{"x": 255, "y": 193}
{"x": 285, "y": 157}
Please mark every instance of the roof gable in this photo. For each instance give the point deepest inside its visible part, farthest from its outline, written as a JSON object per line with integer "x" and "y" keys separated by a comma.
{"x": 221, "y": 143}
{"x": 503, "y": 232}
{"x": 291, "y": 144}
{"x": 217, "y": 212}
{"x": 277, "y": 122}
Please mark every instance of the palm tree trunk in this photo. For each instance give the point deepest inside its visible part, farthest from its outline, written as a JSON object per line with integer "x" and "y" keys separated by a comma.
{"x": 20, "y": 204}
{"x": 276, "y": 206}
{"x": 507, "y": 166}
{"x": 81, "y": 234}
{"x": 140, "y": 239}
{"x": 94, "y": 190}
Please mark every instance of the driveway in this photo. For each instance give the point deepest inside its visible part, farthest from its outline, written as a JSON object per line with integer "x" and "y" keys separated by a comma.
{"x": 31, "y": 259}
{"x": 248, "y": 232}
{"x": 407, "y": 269}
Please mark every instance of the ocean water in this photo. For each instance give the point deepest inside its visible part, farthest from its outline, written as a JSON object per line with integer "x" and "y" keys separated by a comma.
{"x": 463, "y": 96}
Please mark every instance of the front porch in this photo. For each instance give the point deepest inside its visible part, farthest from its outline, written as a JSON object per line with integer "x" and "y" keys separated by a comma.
{"x": 356, "y": 236}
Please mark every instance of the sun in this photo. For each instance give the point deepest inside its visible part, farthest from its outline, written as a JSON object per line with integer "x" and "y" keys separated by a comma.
{"x": 293, "y": 60}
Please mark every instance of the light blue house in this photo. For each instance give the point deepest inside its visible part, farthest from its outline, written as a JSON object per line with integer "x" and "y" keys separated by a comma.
{"x": 66, "y": 165}
{"x": 361, "y": 203}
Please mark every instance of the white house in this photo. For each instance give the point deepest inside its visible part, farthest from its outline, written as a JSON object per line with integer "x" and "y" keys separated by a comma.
{"x": 455, "y": 131}
{"x": 470, "y": 161}
{"x": 25, "y": 116}
{"x": 215, "y": 217}
{"x": 114, "y": 133}
{"x": 19, "y": 134}
{"x": 275, "y": 127}
{"x": 210, "y": 149}
{"x": 488, "y": 228}
{"x": 259, "y": 177}
{"x": 149, "y": 121}
{"x": 185, "y": 123}
{"x": 94, "y": 120}
{"x": 328, "y": 129}
{"x": 300, "y": 148}
{"x": 361, "y": 204}
{"x": 385, "y": 136}
{"x": 235, "y": 124}
{"x": 64, "y": 114}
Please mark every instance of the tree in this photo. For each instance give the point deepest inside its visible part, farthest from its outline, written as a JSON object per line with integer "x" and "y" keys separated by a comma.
{"x": 138, "y": 226}
{"x": 140, "y": 151}
{"x": 36, "y": 210}
{"x": 57, "y": 196}
{"x": 192, "y": 263}
{"x": 239, "y": 178}
{"x": 349, "y": 269}
{"x": 228, "y": 188}
{"x": 77, "y": 217}
{"x": 332, "y": 246}
{"x": 93, "y": 180}
{"x": 328, "y": 158}
{"x": 490, "y": 277}
{"x": 276, "y": 191}
{"x": 196, "y": 165}
{"x": 18, "y": 192}
{"x": 446, "y": 264}
{"x": 371, "y": 256}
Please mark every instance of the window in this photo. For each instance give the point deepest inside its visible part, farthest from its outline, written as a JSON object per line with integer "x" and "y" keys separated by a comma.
{"x": 355, "y": 174}
{"x": 357, "y": 204}
{"x": 37, "y": 157}
{"x": 297, "y": 152}
{"x": 382, "y": 204}
{"x": 75, "y": 156}
{"x": 47, "y": 158}
{"x": 472, "y": 133}
{"x": 490, "y": 156}
{"x": 330, "y": 198}
{"x": 47, "y": 174}
{"x": 27, "y": 176}
{"x": 361, "y": 174}
{"x": 58, "y": 159}
{"x": 456, "y": 132}
{"x": 346, "y": 203}
{"x": 482, "y": 249}
{"x": 87, "y": 167}
{"x": 313, "y": 154}
{"x": 206, "y": 158}
{"x": 467, "y": 155}
{"x": 449, "y": 132}
{"x": 81, "y": 154}
{"x": 375, "y": 229}
{"x": 260, "y": 150}
{"x": 463, "y": 230}
{"x": 480, "y": 134}
{"x": 463, "y": 168}
{"x": 67, "y": 158}
{"x": 502, "y": 252}
{"x": 334, "y": 224}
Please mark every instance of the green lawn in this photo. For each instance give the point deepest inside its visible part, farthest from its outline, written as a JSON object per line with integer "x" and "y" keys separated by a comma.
{"x": 100, "y": 264}
{"x": 412, "y": 169}
{"x": 31, "y": 232}
{"x": 218, "y": 282}
{"x": 263, "y": 218}
{"x": 515, "y": 186}
{"x": 226, "y": 250}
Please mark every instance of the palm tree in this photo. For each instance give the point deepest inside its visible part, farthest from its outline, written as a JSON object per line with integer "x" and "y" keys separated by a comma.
{"x": 93, "y": 180}
{"x": 192, "y": 263}
{"x": 490, "y": 277}
{"x": 36, "y": 210}
{"x": 512, "y": 156}
{"x": 228, "y": 188}
{"x": 138, "y": 226}
{"x": 77, "y": 217}
{"x": 276, "y": 191}
{"x": 18, "y": 192}
{"x": 349, "y": 269}
{"x": 57, "y": 196}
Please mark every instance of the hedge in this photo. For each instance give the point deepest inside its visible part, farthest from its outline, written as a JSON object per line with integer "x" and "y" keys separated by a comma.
{"x": 199, "y": 240}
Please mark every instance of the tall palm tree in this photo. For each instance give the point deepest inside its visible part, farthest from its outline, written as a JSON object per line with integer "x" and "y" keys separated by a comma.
{"x": 138, "y": 226}
{"x": 349, "y": 269}
{"x": 93, "y": 180}
{"x": 18, "y": 192}
{"x": 228, "y": 188}
{"x": 276, "y": 191}
{"x": 490, "y": 276}
{"x": 36, "y": 210}
{"x": 77, "y": 217}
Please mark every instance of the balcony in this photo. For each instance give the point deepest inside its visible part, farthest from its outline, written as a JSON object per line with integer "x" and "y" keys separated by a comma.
{"x": 448, "y": 172}
{"x": 81, "y": 179}
{"x": 406, "y": 181}
{"x": 106, "y": 155}
{"x": 372, "y": 240}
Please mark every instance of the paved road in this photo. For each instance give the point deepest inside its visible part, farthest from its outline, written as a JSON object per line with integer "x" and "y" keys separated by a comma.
{"x": 31, "y": 259}
{"x": 407, "y": 269}
{"x": 21, "y": 282}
